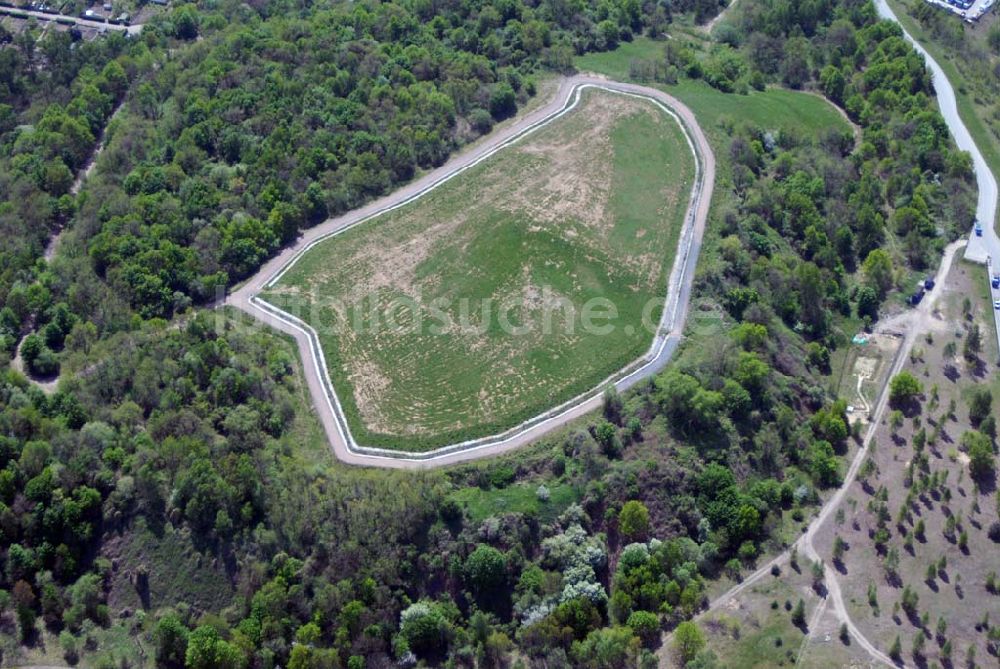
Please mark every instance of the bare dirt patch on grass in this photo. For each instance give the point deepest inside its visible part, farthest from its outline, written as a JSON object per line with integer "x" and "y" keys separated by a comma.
{"x": 865, "y": 368}
{"x": 923, "y": 490}
{"x": 489, "y": 275}
{"x": 756, "y": 630}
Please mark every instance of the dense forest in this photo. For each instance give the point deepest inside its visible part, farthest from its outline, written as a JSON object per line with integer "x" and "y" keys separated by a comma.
{"x": 256, "y": 125}
{"x": 49, "y": 120}
{"x": 242, "y": 124}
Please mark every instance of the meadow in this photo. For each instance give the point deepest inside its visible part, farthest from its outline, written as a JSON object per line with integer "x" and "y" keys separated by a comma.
{"x": 469, "y": 310}
{"x": 772, "y": 109}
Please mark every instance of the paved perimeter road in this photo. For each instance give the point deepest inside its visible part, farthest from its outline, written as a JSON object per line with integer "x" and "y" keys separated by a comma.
{"x": 679, "y": 290}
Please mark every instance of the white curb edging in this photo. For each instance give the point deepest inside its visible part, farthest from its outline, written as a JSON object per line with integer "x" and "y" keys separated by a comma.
{"x": 664, "y": 343}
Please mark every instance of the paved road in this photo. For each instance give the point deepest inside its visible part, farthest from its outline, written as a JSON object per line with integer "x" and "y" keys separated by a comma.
{"x": 679, "y": 289}
{"x": 133, "y": 29}
{"x": 986, "y": 203}
{"x": 980, "y": 249}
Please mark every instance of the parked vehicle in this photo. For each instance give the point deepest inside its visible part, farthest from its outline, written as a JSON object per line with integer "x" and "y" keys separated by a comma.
{"x": 995, "y": 282}
{"x": 979, "y": 229}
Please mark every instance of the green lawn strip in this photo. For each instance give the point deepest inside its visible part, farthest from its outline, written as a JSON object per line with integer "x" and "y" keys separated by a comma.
{"x": 487, "y": 258}
{"x": 615, "y": 64}
{"x": 989, "y": 329}
{"x": 519, "y": 498}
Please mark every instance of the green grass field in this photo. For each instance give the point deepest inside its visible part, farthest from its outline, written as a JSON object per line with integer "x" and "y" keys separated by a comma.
{"x": 407, "y": 306}
{"x": 521, "y": 498}
{"x": 756, "y": 634}
{"x": 774, "y": 108}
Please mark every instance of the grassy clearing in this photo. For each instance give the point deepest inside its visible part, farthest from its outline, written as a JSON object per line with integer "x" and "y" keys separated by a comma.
{"x": 178, "y": 570}
{"x": 521, "y": 498}
{"x": 120, "y": 645}
{"x": 774, "y": 108}
{"x": 757, "y": 630}
{"x": 615, "y": 63}
{"x": 586, "y": 208}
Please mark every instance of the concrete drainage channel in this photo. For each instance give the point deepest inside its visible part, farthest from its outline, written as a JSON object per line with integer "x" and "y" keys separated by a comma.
{"x": 664, "y": 343}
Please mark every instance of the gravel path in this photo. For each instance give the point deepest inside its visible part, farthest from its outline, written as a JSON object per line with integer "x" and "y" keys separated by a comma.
{"x": 679, "y": 289}
{"x": 718, "y": 17}
{"x": 913, "y": 322}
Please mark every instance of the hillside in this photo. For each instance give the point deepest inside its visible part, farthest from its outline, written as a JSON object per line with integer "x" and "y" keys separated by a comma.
{"x": 168, "y": 497}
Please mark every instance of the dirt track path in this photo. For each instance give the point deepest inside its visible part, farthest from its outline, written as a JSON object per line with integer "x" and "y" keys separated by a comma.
{"x": 707, "y": 28}
{"x": 913, "y": 322}
{"x": 922, "y": 317}
{"x": 679, "y": 289}
{"x": 81, "y": 178}
{"x": 48, "y": 386}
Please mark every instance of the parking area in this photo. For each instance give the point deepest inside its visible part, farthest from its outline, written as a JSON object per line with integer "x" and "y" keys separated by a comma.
{"x": 970, "y": 10}
{"x": 993, "y": 274}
